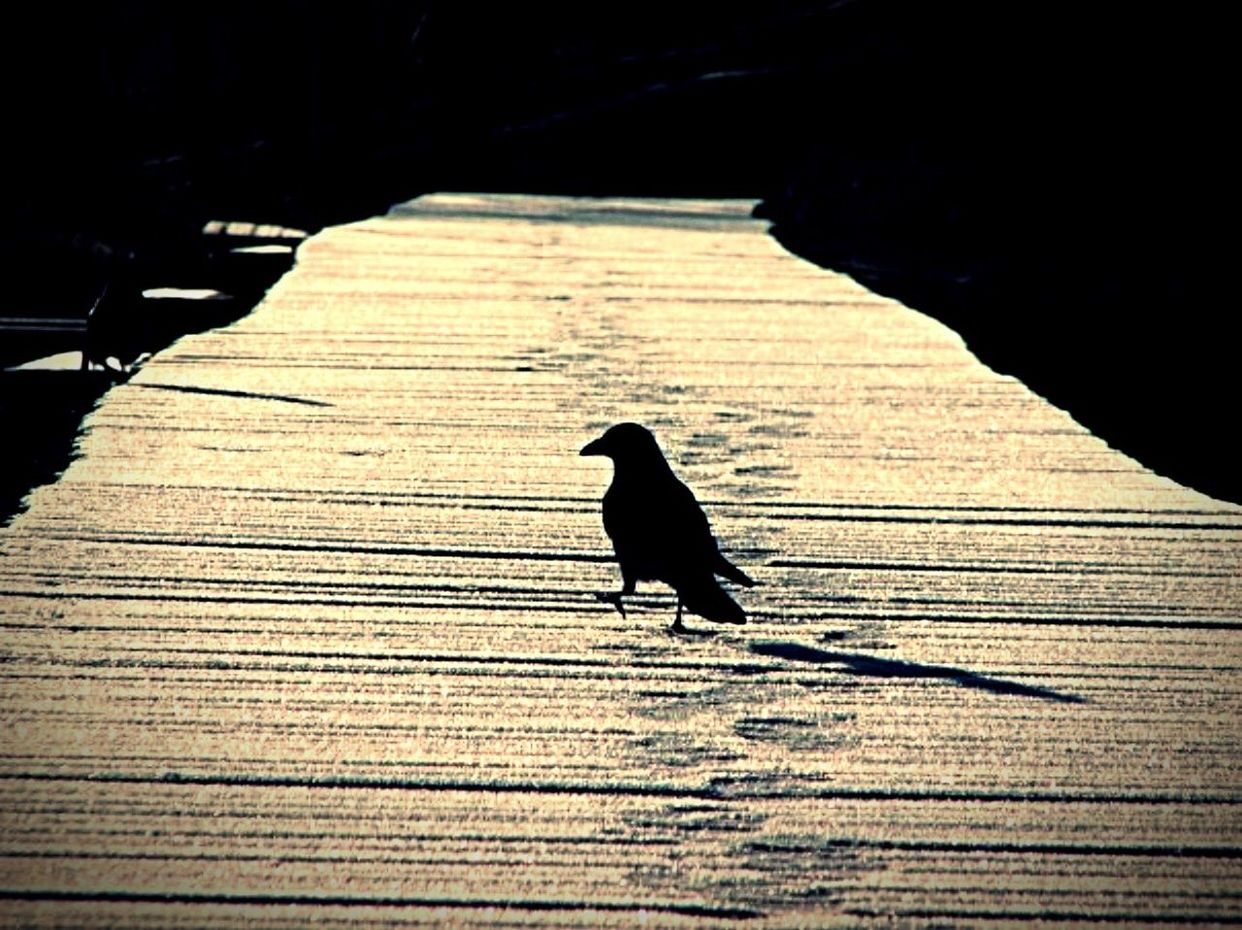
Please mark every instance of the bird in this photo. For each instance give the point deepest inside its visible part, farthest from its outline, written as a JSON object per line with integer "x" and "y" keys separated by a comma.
{"x": 659, "y": 531}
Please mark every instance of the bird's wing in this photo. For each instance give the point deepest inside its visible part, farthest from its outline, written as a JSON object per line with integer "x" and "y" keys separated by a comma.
{"x": 726, "y": 569}
{"x": 696, "y": 540}
{"x": 660, "y": 532}
{"x": 704, "y": 596}
{"x": 658, "y": 527}
{"x": 688, "y": 528}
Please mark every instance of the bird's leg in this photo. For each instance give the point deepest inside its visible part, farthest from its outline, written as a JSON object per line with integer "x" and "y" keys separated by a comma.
{"x": 677, "y": 626}
{"x": 614, "y": 598}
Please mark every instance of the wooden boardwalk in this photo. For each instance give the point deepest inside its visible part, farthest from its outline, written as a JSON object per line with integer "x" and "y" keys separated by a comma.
{"x": 307, "y": 636}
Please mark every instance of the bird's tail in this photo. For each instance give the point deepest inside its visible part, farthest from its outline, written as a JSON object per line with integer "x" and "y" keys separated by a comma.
{"x": 726, "y": 569}
{"x": 709, "y": 601}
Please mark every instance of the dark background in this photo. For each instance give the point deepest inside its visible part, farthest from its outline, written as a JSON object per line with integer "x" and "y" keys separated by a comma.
{"x": 1052, "y": 180}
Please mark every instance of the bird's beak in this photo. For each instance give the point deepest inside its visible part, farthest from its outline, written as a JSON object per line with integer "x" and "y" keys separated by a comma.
{"x": 594, "y": 447}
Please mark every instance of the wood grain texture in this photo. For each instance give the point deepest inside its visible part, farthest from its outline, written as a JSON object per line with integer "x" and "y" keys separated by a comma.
{"x": 308, "y": 635}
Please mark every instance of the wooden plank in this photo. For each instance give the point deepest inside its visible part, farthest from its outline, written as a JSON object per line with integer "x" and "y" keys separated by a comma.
{"x": 308, "y": 633}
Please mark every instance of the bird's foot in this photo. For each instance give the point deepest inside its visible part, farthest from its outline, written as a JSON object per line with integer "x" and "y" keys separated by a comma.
{"x": 680, "y": 629}
{"x": 613, "y": 598}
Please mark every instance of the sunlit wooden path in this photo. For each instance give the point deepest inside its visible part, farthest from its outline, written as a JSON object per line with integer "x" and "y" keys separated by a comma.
{"x": 307, "y": 637}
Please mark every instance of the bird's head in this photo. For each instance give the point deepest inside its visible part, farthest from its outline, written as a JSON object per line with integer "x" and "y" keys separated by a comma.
{"x": 626, "y": 444}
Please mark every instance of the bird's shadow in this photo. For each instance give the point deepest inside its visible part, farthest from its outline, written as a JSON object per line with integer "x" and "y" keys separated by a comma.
{"x": 857, "y": 664}
{"x": 686, "y": 632}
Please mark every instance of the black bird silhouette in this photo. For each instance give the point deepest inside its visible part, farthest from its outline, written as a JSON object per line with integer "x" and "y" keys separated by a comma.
{"x": 659, "y": 531}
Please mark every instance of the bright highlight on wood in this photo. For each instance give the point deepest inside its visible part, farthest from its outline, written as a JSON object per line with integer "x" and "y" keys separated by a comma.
{"x": 308, "y": 635}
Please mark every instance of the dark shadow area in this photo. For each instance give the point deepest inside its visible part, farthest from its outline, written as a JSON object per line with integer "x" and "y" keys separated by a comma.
{"x": 857, "y": 664}
{"x": 1046, "y": 179}
{"x": 124, "y": 325}
{"x": 40, "y": 412}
